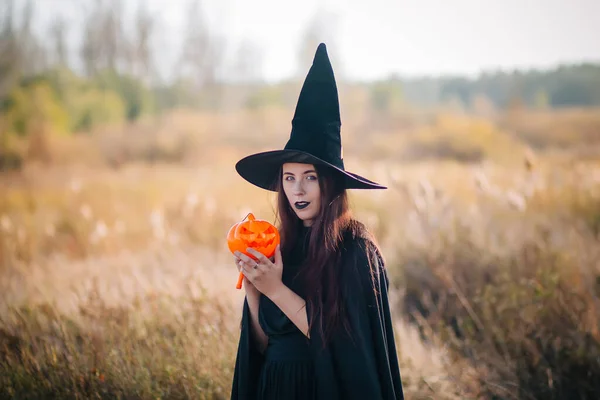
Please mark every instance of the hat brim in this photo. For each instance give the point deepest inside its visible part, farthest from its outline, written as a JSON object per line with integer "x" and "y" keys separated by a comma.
{"x": 262, "y": 169}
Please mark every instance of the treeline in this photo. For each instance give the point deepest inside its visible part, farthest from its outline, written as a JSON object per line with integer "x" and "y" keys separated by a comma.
{"x": 76, "y": 102}
{"x": 564, "y": 86}
{"x": 113, "y": 73}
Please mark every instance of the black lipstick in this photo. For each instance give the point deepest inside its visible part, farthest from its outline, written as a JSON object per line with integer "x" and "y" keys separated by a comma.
{"x": 301, "y": 205}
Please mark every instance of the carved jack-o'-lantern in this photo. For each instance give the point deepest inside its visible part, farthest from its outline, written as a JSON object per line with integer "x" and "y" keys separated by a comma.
{"x": 257, "y": 234}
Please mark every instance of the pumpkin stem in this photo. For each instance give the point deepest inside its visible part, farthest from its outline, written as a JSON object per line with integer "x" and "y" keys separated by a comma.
{"x": 250, "y": 216}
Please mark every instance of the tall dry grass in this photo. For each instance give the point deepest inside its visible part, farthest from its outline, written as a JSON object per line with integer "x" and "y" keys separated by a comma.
{"x": 115, "y": 281}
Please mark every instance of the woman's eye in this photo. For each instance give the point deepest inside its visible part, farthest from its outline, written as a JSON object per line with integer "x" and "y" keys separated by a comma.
{"x": 311, "y": 178}
{"x": 287, "y": 178}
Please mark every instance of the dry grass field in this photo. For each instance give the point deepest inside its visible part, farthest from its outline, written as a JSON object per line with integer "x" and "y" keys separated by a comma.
{"x": 116, "y": 282}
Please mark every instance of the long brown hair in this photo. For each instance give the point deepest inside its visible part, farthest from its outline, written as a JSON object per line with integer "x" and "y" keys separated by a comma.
{"x": 322, "y": 267}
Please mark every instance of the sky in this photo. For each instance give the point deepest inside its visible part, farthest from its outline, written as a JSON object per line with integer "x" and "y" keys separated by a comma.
{"x": 375, "y": 38}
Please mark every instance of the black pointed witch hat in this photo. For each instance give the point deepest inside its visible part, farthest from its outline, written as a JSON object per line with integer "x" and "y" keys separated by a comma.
{"x": 315, "y": 137}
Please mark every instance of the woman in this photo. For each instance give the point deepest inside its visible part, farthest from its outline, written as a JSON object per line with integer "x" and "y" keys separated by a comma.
{"x": 316, "y": 322}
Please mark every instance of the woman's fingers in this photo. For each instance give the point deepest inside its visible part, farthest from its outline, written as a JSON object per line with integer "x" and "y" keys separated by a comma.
{"x": 251, "y": 263}
{"x": 248, "y": 268}
{"x": 264, "y": 274}
{"x": 239, "y": 263}
{"x": 244, "y": 269}
{"x": 253, "y": 269}
{"x": 244, "y": 258}
{"x": 262, "y": 259}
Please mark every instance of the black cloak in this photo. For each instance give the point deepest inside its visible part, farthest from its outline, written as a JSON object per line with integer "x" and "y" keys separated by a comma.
{"x": 362, "y": 365}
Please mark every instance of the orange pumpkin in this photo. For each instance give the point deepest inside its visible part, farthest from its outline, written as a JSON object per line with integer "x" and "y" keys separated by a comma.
{"x": 257, "y": 234}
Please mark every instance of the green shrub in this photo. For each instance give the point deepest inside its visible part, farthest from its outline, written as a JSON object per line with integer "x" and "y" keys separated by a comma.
{"x": 137, "y": 97}
{"x": 95, "y": 107}
{"x": 33, "y": 104}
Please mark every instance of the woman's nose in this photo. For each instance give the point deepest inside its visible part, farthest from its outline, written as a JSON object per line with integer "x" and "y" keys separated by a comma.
{"x": 298, "y": 188}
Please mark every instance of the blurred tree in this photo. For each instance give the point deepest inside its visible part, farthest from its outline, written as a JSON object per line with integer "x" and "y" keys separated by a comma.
{"x": 141, "y": 51}
{"x": 104, "y": 44}
{"x": 248, "y": 63}
{"x": 251, "y": 92}
{"x": 33, "y": 55}
{"x": 456, "y": 90}
{"x": 572, "y": 91}
{"x": 58, "y": 47}
{"x": 201, "y": 57}
{"x": 21, "y": 54}
{"x": 10, "y": 57}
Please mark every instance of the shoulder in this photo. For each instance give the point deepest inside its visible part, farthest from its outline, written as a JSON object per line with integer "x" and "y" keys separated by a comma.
{"x": 361, "y": 251}
{"x": 359, "y": 241}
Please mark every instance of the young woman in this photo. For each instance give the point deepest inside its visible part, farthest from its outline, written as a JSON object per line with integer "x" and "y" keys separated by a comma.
{"x": 316, "y": 321}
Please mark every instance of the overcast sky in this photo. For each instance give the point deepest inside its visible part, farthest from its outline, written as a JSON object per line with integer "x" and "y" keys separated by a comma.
{"x": 374, "y": 38}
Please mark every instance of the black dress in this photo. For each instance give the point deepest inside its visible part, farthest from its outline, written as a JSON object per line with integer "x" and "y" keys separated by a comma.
{"x": 287, "y": 371}
{"x": 360, "y": 365}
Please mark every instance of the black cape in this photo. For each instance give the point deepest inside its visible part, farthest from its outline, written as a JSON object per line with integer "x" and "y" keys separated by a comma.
{"x": 362, "y": 365}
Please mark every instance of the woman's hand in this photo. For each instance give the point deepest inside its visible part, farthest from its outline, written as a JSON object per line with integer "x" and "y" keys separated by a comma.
{"x": 263, "y": 274}
{"x": 248, "y": 286}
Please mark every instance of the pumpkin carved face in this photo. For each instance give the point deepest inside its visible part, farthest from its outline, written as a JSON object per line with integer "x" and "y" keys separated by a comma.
{"x": 255, "y": 233}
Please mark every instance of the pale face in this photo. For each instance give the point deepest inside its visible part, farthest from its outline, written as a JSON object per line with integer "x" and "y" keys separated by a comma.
{"x": 301, "y": 187}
